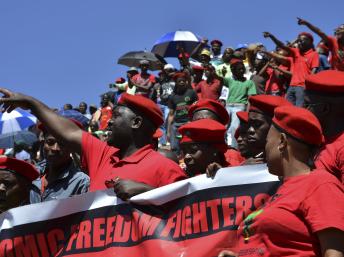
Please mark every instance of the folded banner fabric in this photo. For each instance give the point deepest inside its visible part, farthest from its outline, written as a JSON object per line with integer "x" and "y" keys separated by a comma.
{"x": 195, "y": 217}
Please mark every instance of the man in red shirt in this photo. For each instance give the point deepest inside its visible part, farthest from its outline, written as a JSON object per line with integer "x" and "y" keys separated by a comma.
{"x": 126, "y": 161}
{"x": 324, "y": 96}
{"x": 211, "y": 87}
{"x": 305, "y": 61}
{"x": 143, "y": 81}
{"x": 335, "y": 44}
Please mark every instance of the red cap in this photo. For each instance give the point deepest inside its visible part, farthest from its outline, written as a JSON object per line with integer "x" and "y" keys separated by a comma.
{"x": 204, "y": 131}
{"x": 210, "y": 105}
{"x": 328, "y": 81}
{"x": 234, "y": 61}
{"x": 143, "y": 105}
{"x": 243, "y": 116}
{"x": 266, "y": 104}
{"x": 23, "y": 168}
{"x": 180, "y": 75}
{"x": 299, "y": 123}
{"x": 197, "y": 67}
{"x": 44, "y": 129}
{"x": 216, "y": 41}
{"x": 158, "y": 133}
{"x": 180, "y": 56}
{"x": 120, "y": 80}
{"x": 309, "y": 35}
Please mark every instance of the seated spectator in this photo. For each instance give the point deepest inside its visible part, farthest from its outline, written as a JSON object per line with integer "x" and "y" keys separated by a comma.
{"x": 16, "y": 177}
{"x": 61, "y": 177}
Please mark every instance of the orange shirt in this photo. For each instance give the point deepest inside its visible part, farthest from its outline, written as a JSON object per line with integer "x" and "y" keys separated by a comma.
{"x": 105, "y": 116}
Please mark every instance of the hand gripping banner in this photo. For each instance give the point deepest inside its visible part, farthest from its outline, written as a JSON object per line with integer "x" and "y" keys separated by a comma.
{"x": 195, "y": 217}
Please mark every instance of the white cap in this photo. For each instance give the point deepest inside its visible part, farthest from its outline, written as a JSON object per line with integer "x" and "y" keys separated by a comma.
{"x": 168, "y": 67}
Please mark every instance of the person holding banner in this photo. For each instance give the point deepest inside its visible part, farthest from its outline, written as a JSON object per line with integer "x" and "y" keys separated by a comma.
{"x": 16, "y": 177}
{"x": 126, "y": 161}
{"x": 305, "y": 217}
{"x": 203, "y": 146}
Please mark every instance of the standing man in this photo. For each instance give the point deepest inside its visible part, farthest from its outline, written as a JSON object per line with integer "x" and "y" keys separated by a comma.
{"x": 305, "y": 61}
{"x": 216, "y": 56}
{"x": 83, "y": 110}
{"x": 61, "y": 176}
{"x": 143, "y": 81}
{"x": 324, "y": 96}
{"x": 126, "y": 161}
{"x": 239, "y": 90}
{"x": 335, "y": 44}
{"x": 104, "y": 114}
{"x": 211, "y": 87}
{"x": 224, "y": 70}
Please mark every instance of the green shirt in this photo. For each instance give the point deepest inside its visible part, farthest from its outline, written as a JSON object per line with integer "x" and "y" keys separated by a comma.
{"x": 239, "y": 91}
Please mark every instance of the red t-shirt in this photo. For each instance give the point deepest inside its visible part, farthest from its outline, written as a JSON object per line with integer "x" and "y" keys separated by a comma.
{"x": 233, "y": 157}
{"x": 337, "y": 54}
{"x": 210, "y": 90}
{"x": 105, "y": 116}
{"x": 275, "y": 83}
{"x": 144, "y": 166}
{"x": 331, "y": 157}
{"x": 143, "y": 83}
{"x": 288, "y": 223}
{"x": 302, "y": 65}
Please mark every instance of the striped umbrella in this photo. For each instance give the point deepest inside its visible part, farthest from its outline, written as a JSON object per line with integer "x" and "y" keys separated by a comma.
{"x": 166, "y": 46}
{"x": 16, "y": 120}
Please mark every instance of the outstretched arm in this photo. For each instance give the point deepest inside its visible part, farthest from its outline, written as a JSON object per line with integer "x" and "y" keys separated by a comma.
{"x": 316, "y": 30}
{"x": 277, "y": 41}
{"x": 280, "y": 58}
{"x": 62, "y": 128}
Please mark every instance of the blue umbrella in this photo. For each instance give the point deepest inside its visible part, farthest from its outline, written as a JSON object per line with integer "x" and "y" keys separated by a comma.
{"x": 166, "y": 46}
{"x": 16, "y": 120}
{"x": 24, "y": 137}
{"x": 73, "y": 114}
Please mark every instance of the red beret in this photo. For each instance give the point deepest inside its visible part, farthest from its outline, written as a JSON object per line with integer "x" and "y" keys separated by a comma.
{"x": 197, "y": 67}
{"x": 234, "y": 61}
{"x": 158, "y": 133}
{"x": 328, "y": 81}
{"x": 180, "y": 75}
{"x": 266, "y": 104}
{"x": 180, "y": 56}
{"x": 204, "y": 131}
{"x": 299, "y": 123}
{"x": 309, "y": 35}
{"x": 23, "y": 168}
{"x": 243, "y": 116}
{"x": 143, "y": 105}
{"x": 210, "y": 105}
{"x": 43, "y": 128}
{"x": 216, "y": 41}
{"x": 120, "y": 80}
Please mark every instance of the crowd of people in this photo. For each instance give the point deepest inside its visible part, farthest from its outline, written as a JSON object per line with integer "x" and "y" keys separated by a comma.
{"x": 220, "y": 109}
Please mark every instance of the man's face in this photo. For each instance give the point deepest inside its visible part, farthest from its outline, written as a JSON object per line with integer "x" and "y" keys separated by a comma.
{"x": 242, "y": 139}
{"x": 227, "y": 55}
{"x": 259, "y": 126}
{"x": 181, "y": 85}
{"x": 54, "y": 152}
{"x": 238, "y": 69}
{"x": 144, "y": 67}
{"x": 304, "y": 43}
{"x": 205, "y": 59}
{"x": 209, "y": 72}
{"x": 216, "y": 48}
{"x": 272, "y": 154}
{"x": 82, "y": 108}
{"x": 105, "y": 101}
{"x": 119, "y": 127}
{"x": 14, "y": 190}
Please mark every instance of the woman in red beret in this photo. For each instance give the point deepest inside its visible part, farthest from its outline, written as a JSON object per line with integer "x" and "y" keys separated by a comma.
{"x": 203, "y": 147}
{"x": 305, "y": 217}
{"x": 16, "y": 177}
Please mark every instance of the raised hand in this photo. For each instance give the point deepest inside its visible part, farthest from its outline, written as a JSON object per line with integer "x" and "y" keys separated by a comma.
{"x": 11, "y": 100}
{"x": 266, "y": 34}
{"x": 301, "y": 21}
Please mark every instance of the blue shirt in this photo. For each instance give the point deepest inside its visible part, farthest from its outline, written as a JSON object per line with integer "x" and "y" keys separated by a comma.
{"x": 71, "y": 181}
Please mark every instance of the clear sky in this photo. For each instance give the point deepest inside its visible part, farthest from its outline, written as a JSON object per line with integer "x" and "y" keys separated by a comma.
{"x": 65, "y": 51}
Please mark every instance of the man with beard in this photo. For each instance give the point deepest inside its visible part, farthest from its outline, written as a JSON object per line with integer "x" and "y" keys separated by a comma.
{"x": 305, "y": 61}
{"x": 126, "y": 161}
{"x": 324, "y": 96}
{"x": 61, "y": 177}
